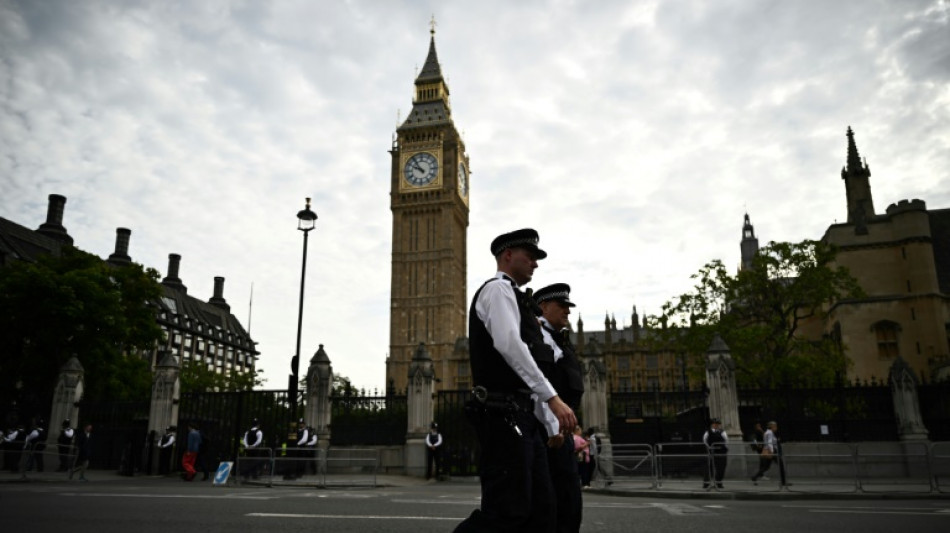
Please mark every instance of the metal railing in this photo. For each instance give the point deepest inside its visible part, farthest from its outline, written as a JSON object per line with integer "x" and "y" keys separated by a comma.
{"x": 309, "y": 466}
{"x": 914, "y": 467}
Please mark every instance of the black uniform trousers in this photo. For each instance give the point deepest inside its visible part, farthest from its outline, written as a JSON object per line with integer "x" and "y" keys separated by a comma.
{"x": 567, "y": 486}
{"x": 517, "y": 495}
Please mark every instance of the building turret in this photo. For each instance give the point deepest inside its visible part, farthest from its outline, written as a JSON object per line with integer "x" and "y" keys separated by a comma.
{"x": 218, "y": 299}
{"x": 172, "y": 280}
{"x": 53, "y": 227}
{"x": 749, "y": 244}
{"x": 121, "y": 255}
{"x": 856, "y": 175}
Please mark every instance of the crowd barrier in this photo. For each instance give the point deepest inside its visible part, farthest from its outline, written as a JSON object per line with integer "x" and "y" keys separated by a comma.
{"x": 308, "y": 466}
{"x": 894, "y": 467}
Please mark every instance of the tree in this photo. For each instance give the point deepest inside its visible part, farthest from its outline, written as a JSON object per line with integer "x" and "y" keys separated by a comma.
{"x": 762, "y": 313}
{"x": 77, "y": 304}
{"x": 197, "y": 377}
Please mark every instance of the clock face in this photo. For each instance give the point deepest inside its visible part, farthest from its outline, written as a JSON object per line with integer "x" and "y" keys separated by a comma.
{"x": 421, "y": 169}
{"x": 463, "y": 180}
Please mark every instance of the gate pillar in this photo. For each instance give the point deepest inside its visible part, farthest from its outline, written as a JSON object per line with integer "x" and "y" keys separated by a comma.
{"x": 910, "y": 425}
{"x": 420, "y": 408}
{"x": 594, "y": 404}
{"x": 66, "y": 396}
{"x": 163, "y": 410}
{"x": 319, "y": 387}
{"x": 724, "y": 401}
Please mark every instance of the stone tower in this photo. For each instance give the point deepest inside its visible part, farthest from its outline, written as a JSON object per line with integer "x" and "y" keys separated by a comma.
{"x": 749, "y": 244}
{"x": 429, "y": 195}
{"x": 856, "y": 175}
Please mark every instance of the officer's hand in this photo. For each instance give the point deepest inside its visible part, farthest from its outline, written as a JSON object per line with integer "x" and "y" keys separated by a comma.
{"x": 565, "y": 415}
{"x": 556, "y": 441}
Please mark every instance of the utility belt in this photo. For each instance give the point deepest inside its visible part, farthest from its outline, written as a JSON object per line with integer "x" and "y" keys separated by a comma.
{"x": 507, "y": 402}
{"x": 504, "y": 405}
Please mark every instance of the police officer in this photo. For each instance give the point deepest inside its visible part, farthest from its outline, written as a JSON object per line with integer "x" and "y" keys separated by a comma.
{"x": 253, "y": 440}
{"x": 717, "y": 443}
{"x": 506, "y": 347}
{"x": 567, "y": 379}
{"x": 166, "y": 445}
{"x": 433, "y": 451}
{"x": 65, "y": 442}
{"x": 300, "y": 455}
{"x": 33, "y": 447}
{"x": 312, "y": 450}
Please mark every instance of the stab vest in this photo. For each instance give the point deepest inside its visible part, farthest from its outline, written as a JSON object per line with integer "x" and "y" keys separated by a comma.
{"x": 489, "y": 368}
{"x": 716, "y": 442}
{"x": 567, "y": 378}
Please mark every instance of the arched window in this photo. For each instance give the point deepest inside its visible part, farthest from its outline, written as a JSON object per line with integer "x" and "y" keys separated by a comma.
{"x": 887, "y": 337}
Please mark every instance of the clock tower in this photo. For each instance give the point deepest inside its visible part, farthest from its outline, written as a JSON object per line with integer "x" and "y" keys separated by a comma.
{"x": 429, "y": 193}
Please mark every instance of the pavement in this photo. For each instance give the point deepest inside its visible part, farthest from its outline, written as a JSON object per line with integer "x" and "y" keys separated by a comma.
{"x": 766, "y": 490}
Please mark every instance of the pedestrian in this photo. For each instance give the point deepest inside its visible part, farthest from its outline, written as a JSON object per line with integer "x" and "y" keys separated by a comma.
{"x": 84, "y": 448}
{"x": 717, "y": 446}
{"x": 771, "y": 453}
{"x": 193, "y": 444}
{"x": 567, "y": 379}
{"x": 64, "y": 443}
{"x": 592, "y": 450}
{"x": 33, "y": 447}
{"x": 505, "y": 341}
{"x": 166, "y": 445}
{"x": 433, "y": 451}
{"x": 204, "y": 452}
{"x": 253, "y": 441}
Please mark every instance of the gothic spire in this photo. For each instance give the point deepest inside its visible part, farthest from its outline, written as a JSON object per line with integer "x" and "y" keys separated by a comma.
{"x": 856, "y": 176}
{"x": 431, "y": 71}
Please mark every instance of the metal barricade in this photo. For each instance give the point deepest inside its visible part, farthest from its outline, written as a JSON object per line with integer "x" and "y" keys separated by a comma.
{"x": 350, "y": 467}
{"x": 816, "y": 467}
{"x": 301, "y": 465}
{"x": 894, "y": 467}
{"x": 940, "y": 466}
{"x": 682, "y": 465}
{"x": 255, "y": 464}
{"x": 634, "y": 465}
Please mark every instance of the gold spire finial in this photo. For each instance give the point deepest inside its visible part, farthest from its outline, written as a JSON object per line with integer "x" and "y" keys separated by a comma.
{"x": 432, "y": 25}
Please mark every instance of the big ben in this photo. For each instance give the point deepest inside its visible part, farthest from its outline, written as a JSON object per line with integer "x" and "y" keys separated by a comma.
{"x": 429, "y": 195}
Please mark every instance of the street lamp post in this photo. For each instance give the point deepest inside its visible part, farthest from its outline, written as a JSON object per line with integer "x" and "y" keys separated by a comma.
{"x": 306, "y": 220}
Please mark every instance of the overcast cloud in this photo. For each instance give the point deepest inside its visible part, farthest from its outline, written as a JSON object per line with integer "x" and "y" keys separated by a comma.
{"x": 633, "y": 135}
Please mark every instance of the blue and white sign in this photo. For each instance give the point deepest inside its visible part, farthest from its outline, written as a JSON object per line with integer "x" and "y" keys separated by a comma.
{"x": 224, "y": 470}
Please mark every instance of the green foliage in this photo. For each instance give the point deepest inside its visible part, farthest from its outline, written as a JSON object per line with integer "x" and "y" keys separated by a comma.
{"x": 760, "y": 314}
{"x": 197, "y": 377}
{"x": 78, "y": 305}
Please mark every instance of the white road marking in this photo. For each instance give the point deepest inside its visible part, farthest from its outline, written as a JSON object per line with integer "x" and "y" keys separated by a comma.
{"x": 353, "y": 517}
{"x": 681, "y": 509}
{"x": 184, "y": 496}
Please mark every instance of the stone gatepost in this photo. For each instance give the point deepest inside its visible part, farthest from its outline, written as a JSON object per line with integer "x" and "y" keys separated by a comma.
{"x": 421, "y": 410}
{"x": 163, "y": 411}
{"x": 66, "y": 396}
{"x": 594, "y": 403}
{"x": 910, "y": 425}
{"x": 724, "y": 404}
{"x": 319, "y": 388}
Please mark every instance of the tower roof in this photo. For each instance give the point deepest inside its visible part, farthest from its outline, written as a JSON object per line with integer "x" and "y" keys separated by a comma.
{"x": 854, "y": 160}
{"x": 431, "y": 70}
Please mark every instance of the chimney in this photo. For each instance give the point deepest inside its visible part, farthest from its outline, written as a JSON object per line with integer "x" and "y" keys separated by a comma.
{"x": 172, "y": 280}
{"x": 53, "y": 227}
{"x": 121, "y": 255}
{"x": 218, "y": 299}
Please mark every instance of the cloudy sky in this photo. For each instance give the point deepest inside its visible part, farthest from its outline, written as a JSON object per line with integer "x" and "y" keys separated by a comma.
{"x": 633, "y": 135}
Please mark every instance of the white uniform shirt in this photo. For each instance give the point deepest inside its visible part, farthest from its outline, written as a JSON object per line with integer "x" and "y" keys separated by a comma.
{"x": 497, "y": 308}
{"x": 541, "y": 410}
{"x": 256, "y": 435}
{"x": 171, "y": 440}
{"x": 35, "y": 434}
{"x": 770, "y": 441}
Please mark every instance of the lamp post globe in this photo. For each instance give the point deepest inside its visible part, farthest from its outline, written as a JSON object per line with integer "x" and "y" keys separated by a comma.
{"x": 306, "y": 220}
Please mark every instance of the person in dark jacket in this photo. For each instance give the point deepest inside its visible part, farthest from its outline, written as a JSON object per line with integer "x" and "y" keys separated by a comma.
{"x": 84, "y": 447}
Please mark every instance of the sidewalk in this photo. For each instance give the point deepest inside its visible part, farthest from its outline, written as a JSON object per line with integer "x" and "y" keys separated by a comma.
{"x": 810, "y": 489}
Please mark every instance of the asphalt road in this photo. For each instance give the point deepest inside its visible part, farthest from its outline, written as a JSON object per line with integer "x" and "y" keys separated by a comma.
{"x": 153, "y": 505}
